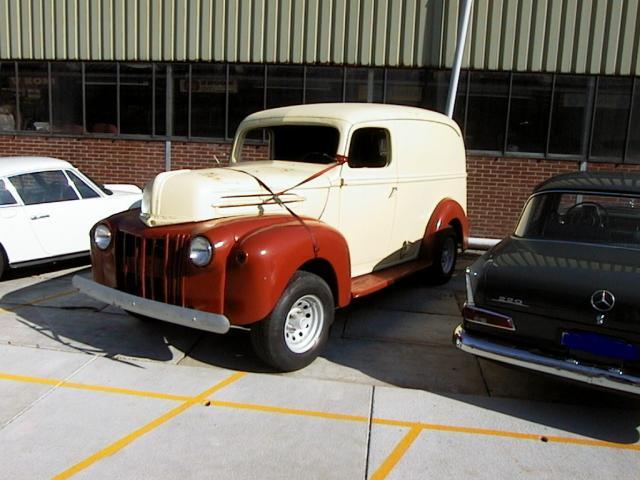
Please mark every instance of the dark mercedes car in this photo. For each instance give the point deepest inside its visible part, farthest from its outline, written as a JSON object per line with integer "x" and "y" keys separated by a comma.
{"x": 561, "y": 295}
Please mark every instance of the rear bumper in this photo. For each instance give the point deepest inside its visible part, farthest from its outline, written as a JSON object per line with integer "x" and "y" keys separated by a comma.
{"x": 188, "y": 317}
{"x": 565, "y": 368}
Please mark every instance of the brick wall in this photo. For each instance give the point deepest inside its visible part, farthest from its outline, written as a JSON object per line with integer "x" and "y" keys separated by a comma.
{"x": 497, "y": 187}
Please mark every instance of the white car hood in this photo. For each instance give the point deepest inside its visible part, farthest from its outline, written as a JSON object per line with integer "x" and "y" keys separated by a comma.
{"x": 195, "y": 195}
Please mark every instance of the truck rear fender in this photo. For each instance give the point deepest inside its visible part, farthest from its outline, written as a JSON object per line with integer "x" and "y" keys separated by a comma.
{"x": 448, "y": 213}
{"x": 261, "y": 264}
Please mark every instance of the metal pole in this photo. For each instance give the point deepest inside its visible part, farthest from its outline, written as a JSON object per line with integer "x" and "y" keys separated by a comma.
{"x": 168, "y": 117}
{"x": 457, "y": 62}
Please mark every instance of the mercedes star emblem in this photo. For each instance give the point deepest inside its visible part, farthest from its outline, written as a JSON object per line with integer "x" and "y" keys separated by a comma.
{"x": 603, "y": 300}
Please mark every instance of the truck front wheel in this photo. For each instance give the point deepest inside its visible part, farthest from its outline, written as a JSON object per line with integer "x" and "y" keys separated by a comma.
{"x": 295, "y": 332}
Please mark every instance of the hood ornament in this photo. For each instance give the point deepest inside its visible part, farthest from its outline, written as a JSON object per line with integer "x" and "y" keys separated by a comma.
{"x": 603, "y": 300}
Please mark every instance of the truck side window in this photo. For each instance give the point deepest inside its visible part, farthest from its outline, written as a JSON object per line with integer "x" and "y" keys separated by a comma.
{"x": 369, "y": 148}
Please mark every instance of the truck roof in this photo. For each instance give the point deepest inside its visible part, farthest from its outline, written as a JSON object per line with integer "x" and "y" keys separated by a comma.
{"x": 352, "y": 113}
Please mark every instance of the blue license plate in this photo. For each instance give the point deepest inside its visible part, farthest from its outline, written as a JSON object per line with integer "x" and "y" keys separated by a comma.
{"x": 600, "y": 345}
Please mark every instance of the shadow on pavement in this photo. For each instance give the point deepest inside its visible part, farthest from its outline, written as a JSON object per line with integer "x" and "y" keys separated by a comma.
{"x": 387, "y": 352}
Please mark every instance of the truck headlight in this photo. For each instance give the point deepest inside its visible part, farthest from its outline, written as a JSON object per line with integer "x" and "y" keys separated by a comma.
{"x": 200, "y": 251}
{"x": 102, "y": 236}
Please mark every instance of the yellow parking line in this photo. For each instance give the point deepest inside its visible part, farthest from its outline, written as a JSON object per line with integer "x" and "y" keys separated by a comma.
{"x": 39, "y": 300}
{"x": 397, "y": 453}
{"x": 94, "y": 388}
{"x": 127, "y": 439}
{"x": 290, "y": 411}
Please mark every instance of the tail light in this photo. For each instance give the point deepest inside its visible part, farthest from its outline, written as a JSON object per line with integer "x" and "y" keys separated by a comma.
{"x": 488, "y": 318}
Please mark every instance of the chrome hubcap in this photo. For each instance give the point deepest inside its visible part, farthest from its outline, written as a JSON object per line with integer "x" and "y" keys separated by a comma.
{"x": 303, "y": 324}
{"x": 448, "y": 255}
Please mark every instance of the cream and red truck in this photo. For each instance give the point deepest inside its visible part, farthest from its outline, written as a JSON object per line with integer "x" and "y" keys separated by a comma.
{"x": 347, "y": 199}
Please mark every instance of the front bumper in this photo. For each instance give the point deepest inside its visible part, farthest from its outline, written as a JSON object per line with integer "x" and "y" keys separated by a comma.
{"x": 188, "y": 317}
{"x": 565, "y": 368}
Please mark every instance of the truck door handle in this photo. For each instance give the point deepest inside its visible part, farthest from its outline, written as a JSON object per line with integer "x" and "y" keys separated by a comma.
{"x": 393, "y": 190}
{"x": 38, "y": 217}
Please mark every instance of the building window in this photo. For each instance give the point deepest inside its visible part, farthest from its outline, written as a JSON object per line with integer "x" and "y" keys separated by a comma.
{"x": 323, "y": 84}
{"x": 181, "y": 92}
{"x": 101, "y": 98}
{"x": 611, "y": 117}
{"x": 571, "y": 114}
{"x": 8, "y": 107}
{"x": 284, "y": 85}
{"x": 208, "y": 98}
{"x": 364, "y": 85}
{"x": 633, "y": 151}
{"x": 246, "y": 93}
{"x": 406, "y": 87}
{"x": 136, "y": 98}
{"x": 66, "y": 98}
{"x": 529, "y": 106}
{"x": 438, "y": 91}
{"x": 33, "y": 96}
{"x": 487, "y": 110}
{"x": 160, "y": 102}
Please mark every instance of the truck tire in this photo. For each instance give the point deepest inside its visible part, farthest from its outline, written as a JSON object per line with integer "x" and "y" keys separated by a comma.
{"x": 444, "y": 257}
{"x": 296, "y": 331}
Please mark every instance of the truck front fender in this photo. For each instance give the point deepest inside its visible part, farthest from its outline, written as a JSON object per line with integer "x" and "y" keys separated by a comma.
{"x": 261, "y": 264}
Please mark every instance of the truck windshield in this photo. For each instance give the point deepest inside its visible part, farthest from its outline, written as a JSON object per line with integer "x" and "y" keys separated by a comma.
{"x": 296, "y": 143}
{"x": 582, "y": 217}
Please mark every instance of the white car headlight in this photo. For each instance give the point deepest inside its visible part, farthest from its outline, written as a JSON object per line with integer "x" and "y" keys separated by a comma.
{"x": 102, "y": 236}
{"x": 200, "y": 251}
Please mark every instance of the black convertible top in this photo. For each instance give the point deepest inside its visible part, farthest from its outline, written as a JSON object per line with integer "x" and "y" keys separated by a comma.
{"x": 605, "y": 182}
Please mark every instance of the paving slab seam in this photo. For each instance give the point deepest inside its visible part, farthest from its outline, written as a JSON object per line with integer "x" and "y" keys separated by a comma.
{"x": 121, "y": 443}
{"x": 333, "y": 416}
{"x": 366, "y": 459}
{"x": 54, "y": 385}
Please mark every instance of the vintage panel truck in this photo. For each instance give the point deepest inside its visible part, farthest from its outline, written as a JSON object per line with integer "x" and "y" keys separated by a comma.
{"x": 348, "y": 199}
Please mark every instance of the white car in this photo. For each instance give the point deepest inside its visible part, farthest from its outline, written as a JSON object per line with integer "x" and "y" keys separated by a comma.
{"x": 47, "y": 207}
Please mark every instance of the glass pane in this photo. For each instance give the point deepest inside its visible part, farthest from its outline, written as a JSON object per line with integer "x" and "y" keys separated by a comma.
{"x": 324, "y": 84}
{"x": 246, "y": 93}
{"x": 208, "y": 84}
{"x": 33, "y": 84}
{"x": 369, "y": 148}
{"x": 43, "y": 187}
{"x": 365, "y": 85}
{"x": 529, "y": 113}
{"x": 5, "y": 195}
{"x": 284, "y": 86}
{"x": 438, "y": 91}
{"x": 102, "y": 99}
{"x": 612, "y": 114}
{"x": 633, "y": 154}
{"x": 161, "y": 99}
{"x": 8, "y": 108}
{"x": 83, "y": 188}
{"x": 406, "y": 87}
{"x": 181, "y": 100}
{"x": 136, "y": 110}
{"x": 488, "y": 95}
{"x": 66, "y": 97}
{"x": 570, "y": 118}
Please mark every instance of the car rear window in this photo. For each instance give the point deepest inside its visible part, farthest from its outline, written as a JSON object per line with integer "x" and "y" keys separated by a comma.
{"x": 5, "y": 195}
{"x": 43, "y": 187}
{"x": 582, "y": 217}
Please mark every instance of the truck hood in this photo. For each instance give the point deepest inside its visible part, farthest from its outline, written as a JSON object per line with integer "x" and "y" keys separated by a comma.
{"x": 558, "y": 279}
{"x": 185, "y": 196}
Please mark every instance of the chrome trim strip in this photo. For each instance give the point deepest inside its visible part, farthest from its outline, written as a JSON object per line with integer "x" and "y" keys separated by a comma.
{"x": 188, "y": 317}
{"x": 565, "y": 368}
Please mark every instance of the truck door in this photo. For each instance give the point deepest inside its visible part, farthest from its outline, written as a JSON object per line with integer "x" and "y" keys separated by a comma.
{"x": 368, "y": 199}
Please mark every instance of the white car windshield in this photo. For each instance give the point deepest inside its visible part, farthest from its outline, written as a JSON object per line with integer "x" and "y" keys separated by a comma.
{"x": 582, "y": 217}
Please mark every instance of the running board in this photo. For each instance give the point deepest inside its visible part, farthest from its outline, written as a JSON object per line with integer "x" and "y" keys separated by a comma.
{"x": 372, "y": 282}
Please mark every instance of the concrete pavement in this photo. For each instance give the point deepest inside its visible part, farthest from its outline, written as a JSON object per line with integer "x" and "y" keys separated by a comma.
{"x": 89, "y": 391}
